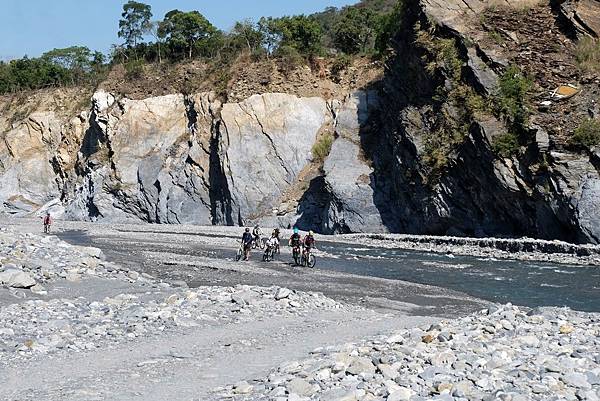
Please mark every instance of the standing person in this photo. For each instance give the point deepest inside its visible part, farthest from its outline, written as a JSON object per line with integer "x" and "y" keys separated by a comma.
{"x": 272, "y": 247}
{"x": 47, "y": 222}
{"x": 247, "y": 243}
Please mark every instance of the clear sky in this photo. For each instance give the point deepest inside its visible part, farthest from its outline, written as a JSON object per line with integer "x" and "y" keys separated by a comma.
{"x": 35, "y": 26}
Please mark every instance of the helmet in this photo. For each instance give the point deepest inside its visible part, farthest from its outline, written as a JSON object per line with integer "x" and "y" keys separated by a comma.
{"x": 256, "y": 226}
{"x": 247, "y": 230}
{"x": 311, "y": 232}
{"x": 296, "y": 230}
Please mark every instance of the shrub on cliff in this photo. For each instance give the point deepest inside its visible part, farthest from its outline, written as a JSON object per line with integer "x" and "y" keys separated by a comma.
{"x": 587, "y": 134}
{"x": 506, "y": 145}
{"x": 511, "y": 100}
{"x": 588, "y": 54}
{"x": 322, "y": 148}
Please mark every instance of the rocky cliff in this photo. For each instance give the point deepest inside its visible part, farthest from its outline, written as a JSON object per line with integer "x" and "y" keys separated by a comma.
{"x": 412, "y": 149}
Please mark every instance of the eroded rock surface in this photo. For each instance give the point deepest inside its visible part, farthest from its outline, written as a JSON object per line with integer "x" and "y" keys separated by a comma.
{"x": 413, "y": 152}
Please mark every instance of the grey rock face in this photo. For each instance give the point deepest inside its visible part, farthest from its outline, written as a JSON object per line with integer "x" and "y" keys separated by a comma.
{"x": 158, "y": 153}
{"x": 588, "y": 208}
{"x": 348, "y": 177}
{"x": 265, "y": 142}
{"x": 584, "y": 15}
{"x": 190, "y": 159}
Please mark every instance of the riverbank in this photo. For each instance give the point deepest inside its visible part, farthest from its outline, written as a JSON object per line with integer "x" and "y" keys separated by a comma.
{"x": 163, "y": 314}
{"x": 502, "y": 353}
{"x": 73, "y": 317}
{"x": 525, "y": 249}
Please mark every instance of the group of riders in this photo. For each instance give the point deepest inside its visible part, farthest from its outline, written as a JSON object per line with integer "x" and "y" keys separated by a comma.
{"x": 301, "y": 247}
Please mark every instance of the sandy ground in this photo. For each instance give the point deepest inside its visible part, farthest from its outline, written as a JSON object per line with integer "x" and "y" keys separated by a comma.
{"x": 187, "y": 364}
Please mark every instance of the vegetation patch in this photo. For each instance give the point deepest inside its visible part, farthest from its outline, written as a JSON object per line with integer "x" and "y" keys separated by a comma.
{"x": 322, "y": 147}
{"x": 512, "y": 97}
{"x": 444, "y": 54}
{"x": 506, "y": 145}
{"x": 134, "y": 69}
{"x": 366, "y": 28}
{"x": 588, "y": 54}
{"x": 339, "y": 65}
{"x": 457, "y": 103}
{"x": 587, "y": 134}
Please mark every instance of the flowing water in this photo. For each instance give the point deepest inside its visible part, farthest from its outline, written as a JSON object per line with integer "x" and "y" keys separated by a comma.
{"x": 519, "y": 282}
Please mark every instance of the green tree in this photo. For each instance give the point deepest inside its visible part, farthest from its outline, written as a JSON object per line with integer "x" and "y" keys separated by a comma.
{"x": 299, "y": 32}
{"x": 186, "y": 30}
{"x": 74, "y": 57}
{"x": 355, "y": 31}
{"x": 134, "y": 23}
{"x": 387, "y": 26}
{"x": 270, "y": 32}
{"x": 153, "y": 29}
{"x": 248, "y": 34}
{"x": 77, "y": 60}
{"x": 327, "y": 20}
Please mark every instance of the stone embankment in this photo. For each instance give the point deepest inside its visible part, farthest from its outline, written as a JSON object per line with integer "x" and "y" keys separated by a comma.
{"x": 503, "y": 353}
{"x": 501, "y": 248}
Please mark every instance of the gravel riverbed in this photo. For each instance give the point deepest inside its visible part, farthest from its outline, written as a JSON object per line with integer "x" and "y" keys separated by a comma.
{"x": 503, "y": 353}
{"x": 87, "y": 328}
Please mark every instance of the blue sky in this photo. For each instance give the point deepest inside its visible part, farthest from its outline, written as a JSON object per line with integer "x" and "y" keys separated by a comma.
{"x": 35, "y": 26}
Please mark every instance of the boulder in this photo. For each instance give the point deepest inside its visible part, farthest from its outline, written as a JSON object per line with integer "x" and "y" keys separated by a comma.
{"x": 17, "y": 278}
{"x": 584, "y": 16}
{"x": 300, "y": 387}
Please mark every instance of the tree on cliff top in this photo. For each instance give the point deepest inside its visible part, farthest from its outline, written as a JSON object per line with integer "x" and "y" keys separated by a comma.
{"x": 355, "y": 31}
{"x": 246, "y": 34}
{"x": 299, "y": 32}
{"x": 186, "y": 30}
{"x": 135, "y": 23}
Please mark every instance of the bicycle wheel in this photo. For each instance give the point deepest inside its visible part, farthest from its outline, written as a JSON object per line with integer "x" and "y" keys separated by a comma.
{"x": 296, "y": 259}
{"x": 311, "y": 261}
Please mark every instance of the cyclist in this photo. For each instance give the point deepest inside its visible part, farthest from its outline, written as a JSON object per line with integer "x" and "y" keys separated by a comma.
{"x": 247, "y": 243}
{"x": 309, "y": 243}
{"x": 295, "y": 242}
{"x": 47, "y": 222}
{"x": 257, "y": 233}
{"x": 272, "y": 244}
{"x": 275, "y": 234}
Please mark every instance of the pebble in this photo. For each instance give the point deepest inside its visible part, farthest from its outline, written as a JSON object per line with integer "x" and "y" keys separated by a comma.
{"x": 508, "y": 355}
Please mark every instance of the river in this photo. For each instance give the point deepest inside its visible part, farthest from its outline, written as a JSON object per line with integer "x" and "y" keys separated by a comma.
{"x": 519, "y": 282}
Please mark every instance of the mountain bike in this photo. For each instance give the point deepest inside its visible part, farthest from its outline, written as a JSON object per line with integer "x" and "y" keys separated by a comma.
{"x": 258, "y": 243}
{"x": 308, "y": 259}
{"x": 268, "y": 254}
{"x": 296, "y": 255}
{"x": 239, "y": 253}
